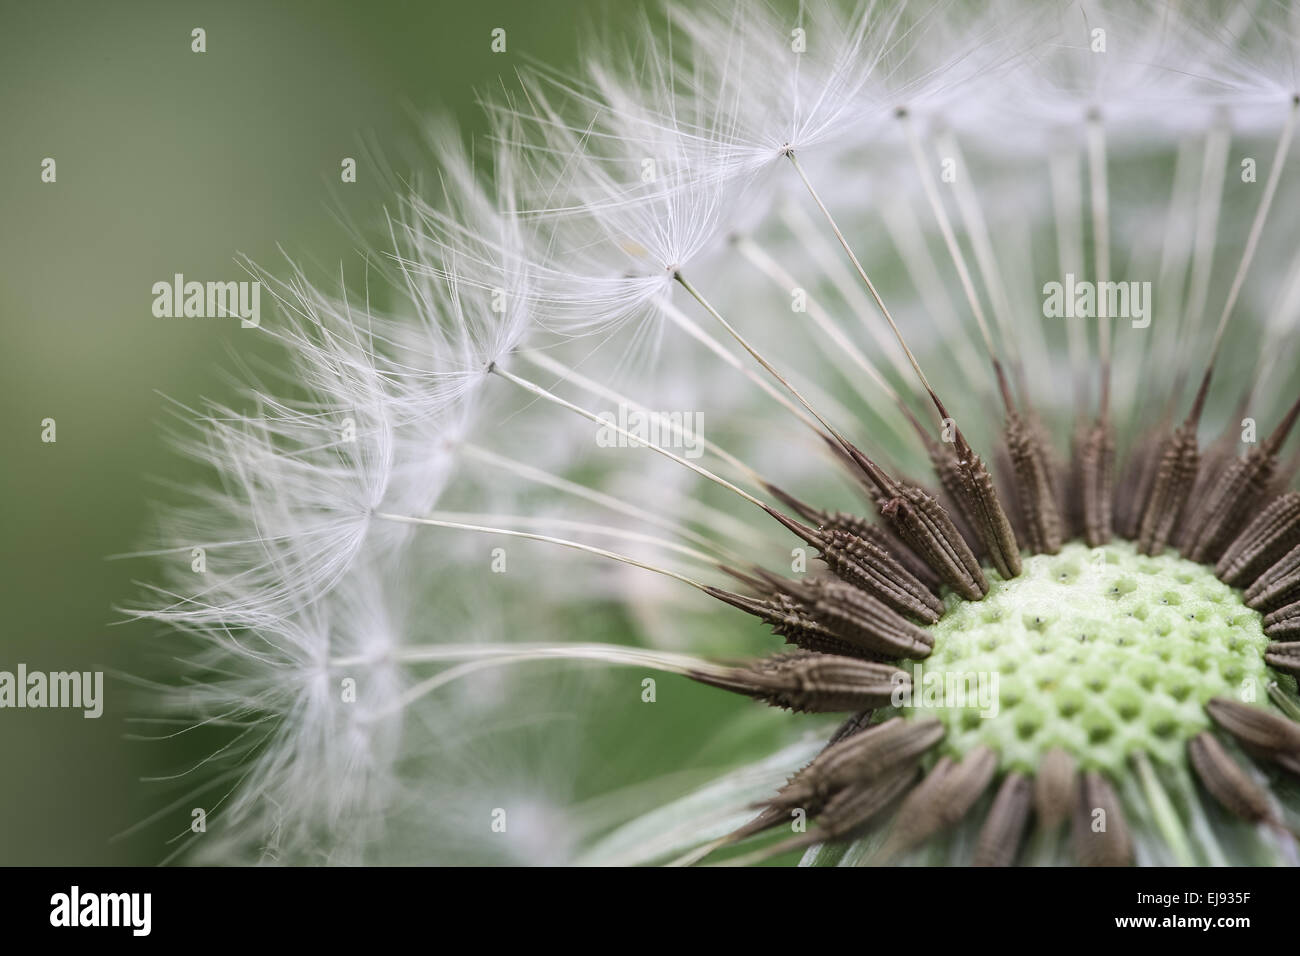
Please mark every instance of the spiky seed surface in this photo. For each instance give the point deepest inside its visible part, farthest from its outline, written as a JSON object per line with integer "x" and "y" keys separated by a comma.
{"x": 1034, "y": 492}
{"x": 1285, "y": 656}
{"x": 1175, "y": 475}
{"x": 868, "y": 566}
{"x": 1231, "y": 502}
{"x": 890, "y": 542}
{"x": 1283, "y": 622}
{"x": 867, "y": 755}
{"x": 1279, "y": 585}
{"x": 810, "y": 682}
{"x": 927, "y": 529}
{"x": 989, "y": 517}
{"x": 857, "y": 804}
{"x": 855, "y": 616}
{"x": 1274, "y": 532}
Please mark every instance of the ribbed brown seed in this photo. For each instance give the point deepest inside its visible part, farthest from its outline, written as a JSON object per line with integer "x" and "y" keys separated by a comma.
{"x": 827, "y": 615}
{"x": 789, "y": 619}
{"x": 1215, "y": 457}
{"x": 863, "y": 563}
{"x": 887, "y": 492}
{"x": 1170, "y": 481}
{"x": 1279, "y": 585}
{"x": 1004, "y": 827}
{"x": 871, "y": 753}
{"x": 1175, "y": 475}
{"x": 1237, "y": 495}
{"x": 894, "y": 546}
{"x": 970, "y": 485}
{"x": 1239, "y": 491}
{"x": 1097, "y": 482}
{"x": 968, "y": 781}
{"x": 907, "y": 829}
{"x": 1226, "y": 781}
{"x": 855, "y": 616}
{"x": 811, "y": 636}
{"x": 1266, "y": 539}
{"x": 1055, "y": 785}
{"x": 854, "y": 806}
{"x": 1035, "y": 495}
{"x": 770, "y": 816}
{"x": 1261, "y": 732}
{"x": 992, "y": 523}
{"x": 1231, "y": 501}
{"x": 871, "y": 568}
{"x": 939, "y": 804}
{"x": 863, "y": 528}
{"x": 884, "y": 539}
{"x": 926, "y": 528}
{"x": 799, "y": 628}
{"x": 948, "y": 471}
{"x": 867, "y": 566}
{"x": 808, "y": 682}
{"x": 1043, "y": 438}
{"x": 1284, "y": 621}
{"x": 1284, "y": 656}
{"x": 1111, "y": 845}
{"x": 963, "y": 526}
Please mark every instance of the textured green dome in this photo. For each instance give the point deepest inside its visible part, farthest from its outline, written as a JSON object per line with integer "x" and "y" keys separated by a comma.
{"x": 1101, "y": 651}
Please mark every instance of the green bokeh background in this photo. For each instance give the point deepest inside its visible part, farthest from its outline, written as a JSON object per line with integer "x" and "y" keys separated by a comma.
{"x": 169, "y": 161}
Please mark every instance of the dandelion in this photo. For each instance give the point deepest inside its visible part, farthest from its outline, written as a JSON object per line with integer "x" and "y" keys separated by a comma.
{"x": 1076, "y": 642}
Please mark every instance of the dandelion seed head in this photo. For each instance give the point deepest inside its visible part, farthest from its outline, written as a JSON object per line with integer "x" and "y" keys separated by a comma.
{"x": 949, "y": 163}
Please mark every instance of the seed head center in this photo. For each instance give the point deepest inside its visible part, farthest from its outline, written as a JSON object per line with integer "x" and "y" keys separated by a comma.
{"x": 1100, "y": 651}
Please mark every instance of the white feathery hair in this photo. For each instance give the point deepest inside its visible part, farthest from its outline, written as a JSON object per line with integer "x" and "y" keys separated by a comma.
{"x": 775, "y": 98}
{"x": 301, "y": 573}
{"x": 562, "y": 239}
{"x": 1248, "y": 59}
{"x": 308, "y": 770}
{"x": 296, "y": 480}
{"x": 858, "y": 65}
{"x": 471, "y": 273}
{"x": 622, "y": 183}
{"x": 1122, "y": 63}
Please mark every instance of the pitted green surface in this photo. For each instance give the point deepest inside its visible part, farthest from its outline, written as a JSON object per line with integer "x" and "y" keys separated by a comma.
{"x": 1102, "y": 651}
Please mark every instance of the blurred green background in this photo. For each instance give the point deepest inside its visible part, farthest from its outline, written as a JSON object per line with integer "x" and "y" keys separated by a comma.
{"x": 169, "y": 161}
